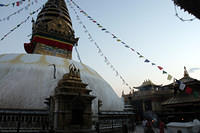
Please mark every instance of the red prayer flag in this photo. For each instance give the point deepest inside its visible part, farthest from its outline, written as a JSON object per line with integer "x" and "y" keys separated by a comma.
{"x": 17, "y": 3}
{"x": 159, "y": 67}
{"x": 188, "y": 90}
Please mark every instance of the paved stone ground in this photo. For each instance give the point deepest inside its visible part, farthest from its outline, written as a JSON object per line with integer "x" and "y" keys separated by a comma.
{"x": 140, "y": 129}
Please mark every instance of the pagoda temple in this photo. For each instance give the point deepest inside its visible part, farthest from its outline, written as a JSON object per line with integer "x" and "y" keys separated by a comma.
{"x": 146, "y": 101}
{"x": 184, "y": 104}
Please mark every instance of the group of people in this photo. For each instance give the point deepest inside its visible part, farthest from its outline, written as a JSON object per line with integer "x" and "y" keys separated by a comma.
{"x": 148, "y": 126}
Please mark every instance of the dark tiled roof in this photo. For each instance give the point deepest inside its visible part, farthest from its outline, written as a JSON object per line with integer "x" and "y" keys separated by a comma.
{"x": 186, "y": 80}
{"x": 192, "y": 6}
{"x": 181, "y": 99}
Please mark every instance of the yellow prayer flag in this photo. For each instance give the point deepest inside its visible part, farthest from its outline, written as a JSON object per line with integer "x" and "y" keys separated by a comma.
{"x": 169, "y": 77}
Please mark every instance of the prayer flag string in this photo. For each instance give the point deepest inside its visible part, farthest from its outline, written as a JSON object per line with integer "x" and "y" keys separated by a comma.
{"x": 102, "y": 28}
{"x": 17, "y": 3}
{"x": 24, "y": 21}
{"x": 181, "y": 85}
{"x": 100, "y": 52}
{"x": 17, "y": 12}
{"x": 78, "y": 55}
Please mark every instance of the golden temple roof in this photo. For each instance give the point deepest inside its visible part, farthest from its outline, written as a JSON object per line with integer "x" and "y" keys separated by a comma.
{"x": 147, "y": 83}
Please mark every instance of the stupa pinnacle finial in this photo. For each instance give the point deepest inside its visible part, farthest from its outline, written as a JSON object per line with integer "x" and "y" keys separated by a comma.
{"x": 52, "y": 32}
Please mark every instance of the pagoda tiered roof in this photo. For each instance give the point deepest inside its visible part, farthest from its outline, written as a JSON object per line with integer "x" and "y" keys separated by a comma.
{"x": 147, "y": 85}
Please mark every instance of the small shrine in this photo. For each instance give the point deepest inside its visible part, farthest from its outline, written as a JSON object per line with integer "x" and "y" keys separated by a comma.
{"x": 71, "y": 103}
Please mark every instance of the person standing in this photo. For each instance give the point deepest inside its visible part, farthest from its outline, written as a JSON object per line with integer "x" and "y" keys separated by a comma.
{"x": 161, "y": 126}
{"x": 144, "y": 124}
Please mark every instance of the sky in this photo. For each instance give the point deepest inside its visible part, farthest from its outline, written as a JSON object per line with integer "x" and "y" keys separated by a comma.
{"x": 148, "y": 26}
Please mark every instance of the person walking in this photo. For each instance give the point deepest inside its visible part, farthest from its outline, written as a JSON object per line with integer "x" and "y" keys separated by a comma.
{"x": 161, "y": 126}
{"x": 149, "y": 127}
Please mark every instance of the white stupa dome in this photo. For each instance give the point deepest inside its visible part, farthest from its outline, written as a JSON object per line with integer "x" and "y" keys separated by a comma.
{"x": 27, "y": 79}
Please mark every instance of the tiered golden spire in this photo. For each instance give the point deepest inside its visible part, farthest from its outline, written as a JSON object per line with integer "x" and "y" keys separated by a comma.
{"x": 54, "y": 18}
{"x": 52, "y": 32}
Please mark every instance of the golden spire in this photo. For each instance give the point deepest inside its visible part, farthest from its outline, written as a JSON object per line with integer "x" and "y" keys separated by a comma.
{"x": 52, "y": 32}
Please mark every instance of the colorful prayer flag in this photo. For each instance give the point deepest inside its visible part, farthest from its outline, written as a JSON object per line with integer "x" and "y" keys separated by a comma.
{"x": 188, "y": 90}
{"x": 182, "y": 86}
{"x": 127, "y": 46}
{"x": 159, "y": 67}
{"x": 138, "y": 53}
{"x": 147, "y": 61}
{"x": 196, "y": 94}
{"x": 141, "y": 56}
{"x": 164, "y": 72}
{"x": 169, "y": 77}
{"x": 17, "y": 3}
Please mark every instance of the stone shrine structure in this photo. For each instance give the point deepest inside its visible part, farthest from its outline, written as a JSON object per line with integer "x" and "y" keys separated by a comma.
{"x": 71, "y": 103}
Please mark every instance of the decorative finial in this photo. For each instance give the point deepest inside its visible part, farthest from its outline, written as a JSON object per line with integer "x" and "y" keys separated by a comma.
{"x": 123, "y": 93}
{"x": 74, "y": 71}
{"x": 186, "y": 74}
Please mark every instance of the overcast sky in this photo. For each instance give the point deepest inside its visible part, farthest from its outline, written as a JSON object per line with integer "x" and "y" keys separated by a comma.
{"x": 148, "y": 26}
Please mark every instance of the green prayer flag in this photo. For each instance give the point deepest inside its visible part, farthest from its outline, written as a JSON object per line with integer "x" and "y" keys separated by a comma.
{"x": 196, "y": 94}
{"x": 141, "y": 56}
{"x": 164, "y": 72}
